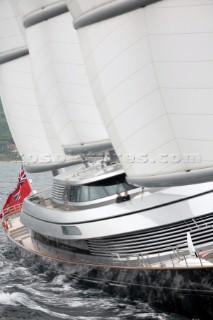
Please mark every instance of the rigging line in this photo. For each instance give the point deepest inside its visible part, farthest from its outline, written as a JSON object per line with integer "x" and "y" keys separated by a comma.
{"x": 106, "y": 281}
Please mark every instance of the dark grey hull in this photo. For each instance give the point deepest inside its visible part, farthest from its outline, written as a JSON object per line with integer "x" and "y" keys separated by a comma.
{"x": 185, "y": 291}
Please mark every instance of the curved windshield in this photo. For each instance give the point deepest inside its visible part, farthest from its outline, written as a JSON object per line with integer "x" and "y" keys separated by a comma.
{"x": 99, "y": 189}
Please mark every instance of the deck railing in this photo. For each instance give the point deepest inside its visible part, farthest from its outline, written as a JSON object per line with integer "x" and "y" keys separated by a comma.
{"x": 11, "y": 210}
{"x": 176, "y": 259}
{"x": 172, "y": 259}
{"x": 43, "y": 198}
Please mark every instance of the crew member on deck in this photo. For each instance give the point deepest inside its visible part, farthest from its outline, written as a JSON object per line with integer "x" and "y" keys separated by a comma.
{"x": 119, "y": 198}
{"x": 126, "y": 196}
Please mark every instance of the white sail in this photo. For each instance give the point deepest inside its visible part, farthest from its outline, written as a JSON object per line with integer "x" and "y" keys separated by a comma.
{"x": 60, "y": 73}
{"x": 29, "y": 124}
{"x": 151, "y": 71}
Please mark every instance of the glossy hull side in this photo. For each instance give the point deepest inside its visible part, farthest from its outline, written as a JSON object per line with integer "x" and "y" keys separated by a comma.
{"x": 186, "y": 291}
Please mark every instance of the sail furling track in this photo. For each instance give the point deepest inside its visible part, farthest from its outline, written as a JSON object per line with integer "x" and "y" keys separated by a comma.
{"x": 150, "y": 70}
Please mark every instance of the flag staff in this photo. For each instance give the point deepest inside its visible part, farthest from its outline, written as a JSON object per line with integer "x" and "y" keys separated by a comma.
{"x": 16, "y": 198}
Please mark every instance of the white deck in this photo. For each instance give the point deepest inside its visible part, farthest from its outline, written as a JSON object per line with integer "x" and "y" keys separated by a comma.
{"x": 21, "y": 237}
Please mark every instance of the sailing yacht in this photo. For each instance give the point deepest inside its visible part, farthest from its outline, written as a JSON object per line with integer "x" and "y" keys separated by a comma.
{"x": 115, "y": 96}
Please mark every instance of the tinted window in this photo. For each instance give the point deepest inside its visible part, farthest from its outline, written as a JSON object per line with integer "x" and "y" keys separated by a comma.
{"x": 97, "y": 193}
{"x": 99, "y": 189}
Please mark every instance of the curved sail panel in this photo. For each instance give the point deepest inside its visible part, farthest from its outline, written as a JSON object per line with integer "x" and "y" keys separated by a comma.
{"x": 29, "y": 124}
{"x": 27, "y": 119}
{"x": 11, "y": 28}
{"x": 152, "y": 76}
{"x": 62, "y": 81}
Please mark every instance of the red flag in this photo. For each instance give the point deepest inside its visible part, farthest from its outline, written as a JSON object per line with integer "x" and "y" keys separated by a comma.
{"x": 16, "y": 198}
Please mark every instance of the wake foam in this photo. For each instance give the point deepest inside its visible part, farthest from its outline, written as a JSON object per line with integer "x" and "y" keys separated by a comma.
{"x": 7, "y": 299}
{"x": 17, "y": 298}
{"x": 59, "y": 280}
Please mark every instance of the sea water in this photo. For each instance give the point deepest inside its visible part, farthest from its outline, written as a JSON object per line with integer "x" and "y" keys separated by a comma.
{"x": 31, "y": 290}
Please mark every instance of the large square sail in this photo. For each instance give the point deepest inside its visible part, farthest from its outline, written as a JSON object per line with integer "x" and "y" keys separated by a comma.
{"x": 30, "y": 126}
{"x": 42, "y": 64}
{"x": 61, "y": 76}
{"x": 151, "y": 72}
